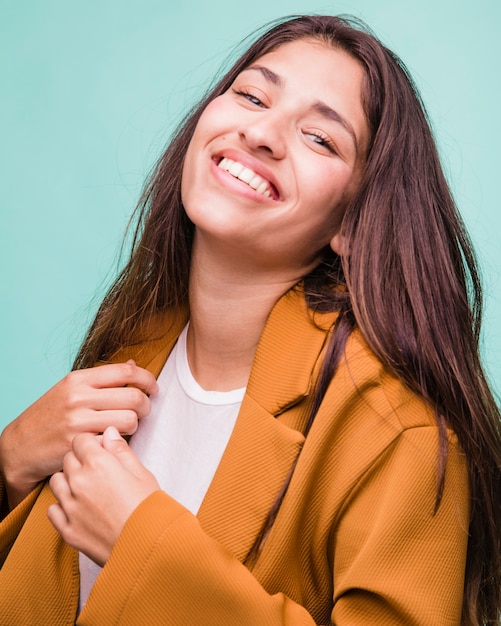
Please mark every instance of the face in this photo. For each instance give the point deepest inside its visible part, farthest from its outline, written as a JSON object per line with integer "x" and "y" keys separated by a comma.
{"x": 273, "y": 160}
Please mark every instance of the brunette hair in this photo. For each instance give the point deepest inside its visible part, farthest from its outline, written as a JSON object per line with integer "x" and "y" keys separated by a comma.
{"x": 409, "y": 283}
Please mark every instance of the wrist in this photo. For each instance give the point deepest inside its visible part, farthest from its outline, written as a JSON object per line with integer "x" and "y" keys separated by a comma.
{"x": 16, "y": 485}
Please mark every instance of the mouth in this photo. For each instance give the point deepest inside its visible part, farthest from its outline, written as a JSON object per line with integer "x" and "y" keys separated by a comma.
{"x": 249, "y": 177}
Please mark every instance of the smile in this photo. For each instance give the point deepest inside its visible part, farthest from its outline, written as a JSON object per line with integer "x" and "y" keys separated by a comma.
{"x": 246, "y": 175}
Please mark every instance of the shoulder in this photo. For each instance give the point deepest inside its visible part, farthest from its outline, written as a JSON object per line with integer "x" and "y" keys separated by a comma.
{"x": 362, "y": 379}
{"x": 290, "y": 356}
{"x": 368, "y": 414}
{"x": 372, "y": 435}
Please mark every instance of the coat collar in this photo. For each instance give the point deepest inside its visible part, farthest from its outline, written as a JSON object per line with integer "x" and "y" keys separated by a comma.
{"x": 264, "y": 443}
{"x": 262, "y": 448}
{"x": 278, "y": 378}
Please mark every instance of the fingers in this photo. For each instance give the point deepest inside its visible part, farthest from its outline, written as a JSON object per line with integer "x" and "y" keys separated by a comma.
{"x": 119, "y": 398}
{"x": 60, "y": 487}
{"x": 103, "y": 482}
{"x": 57, "y": 517}
{"x": 88, "y": 447}
{"x": 121, "y": 374}
{"x": 60, "y": 482}
{"x": 110, "y": 437}
{"x": 114, "y": 443}
{"x": 100, "y": 397}
{"x": 85, "y": 401}
{"x": 84, "y": 447}
{"x": 126, "y": 422}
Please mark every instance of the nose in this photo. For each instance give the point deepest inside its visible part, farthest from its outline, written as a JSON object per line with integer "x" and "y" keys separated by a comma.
{"x": 265, "y": 133}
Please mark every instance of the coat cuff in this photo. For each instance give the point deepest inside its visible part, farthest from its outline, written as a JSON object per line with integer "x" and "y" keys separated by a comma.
{"x": 11, "y": 525}
{"x": 142, "y": 533}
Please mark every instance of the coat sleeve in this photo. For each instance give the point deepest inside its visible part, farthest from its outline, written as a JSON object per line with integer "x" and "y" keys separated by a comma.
{"x": 165, "y": 569}
{"x": 395, "y": 561}
{"x": 13, "y": 521}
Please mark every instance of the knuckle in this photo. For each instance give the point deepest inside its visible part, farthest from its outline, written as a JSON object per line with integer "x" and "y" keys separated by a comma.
{"x": 73, "y": 420}
{"x": 136, "y": 396}
{"x": 68, "y": 534}
{"x": 53, "y": 480}
{"x": 128, "y": 422}
{"x": 76, "y": 398}
{"x": 76, "y": 441}
{"x": 147, "y": 406}
{"x": 73, "y": 391}
{"x": 71, "y": 379}
{"x": 78, "y": 484}
{"x": 127, "y": 370}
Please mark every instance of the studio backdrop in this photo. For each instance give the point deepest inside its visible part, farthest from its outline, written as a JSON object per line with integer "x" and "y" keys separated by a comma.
{"x": 89, "y": 93}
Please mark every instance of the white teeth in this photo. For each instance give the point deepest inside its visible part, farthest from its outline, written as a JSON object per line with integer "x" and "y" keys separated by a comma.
{"x": 246, "y": 175}
{"x": 235, "y": 169}
{"x": 255, "y": 182}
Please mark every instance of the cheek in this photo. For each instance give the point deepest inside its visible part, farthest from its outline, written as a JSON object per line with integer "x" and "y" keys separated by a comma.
{"x": 187, "y": 173}
{"x": 328, "y": 184}
{"x": 208, "y": 127}
{"x": 329, "y": 187}
{"x": 211, "y": 121}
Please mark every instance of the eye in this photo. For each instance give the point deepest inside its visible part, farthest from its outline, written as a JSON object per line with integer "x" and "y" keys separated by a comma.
{"x": 321, "y": 140}
{"x": 250, "y": 97}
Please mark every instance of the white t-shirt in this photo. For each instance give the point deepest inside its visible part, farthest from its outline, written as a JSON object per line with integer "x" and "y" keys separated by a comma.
{"x": 181, "y": 441}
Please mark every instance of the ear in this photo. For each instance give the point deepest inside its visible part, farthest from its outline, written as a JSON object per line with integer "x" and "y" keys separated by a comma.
{"x": 339, "y": 244}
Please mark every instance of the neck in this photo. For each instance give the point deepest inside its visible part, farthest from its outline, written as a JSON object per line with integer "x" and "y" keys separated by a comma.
{"x": 228, "y": 311}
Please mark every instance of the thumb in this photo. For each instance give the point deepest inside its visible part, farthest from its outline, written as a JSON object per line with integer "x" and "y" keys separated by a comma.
{"x": 113, "y": 442}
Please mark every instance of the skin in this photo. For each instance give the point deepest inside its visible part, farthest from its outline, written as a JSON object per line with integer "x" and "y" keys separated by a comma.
{"x": 106, "y": 461}
{"x": 312, "y": 160}
{"x": 249, "y": 249}
{"x": 86, "y": 401}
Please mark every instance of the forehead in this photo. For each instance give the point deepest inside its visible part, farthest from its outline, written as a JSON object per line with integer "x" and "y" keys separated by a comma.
{"x": 308, "y": 48}
{"x": 316, "y": 62}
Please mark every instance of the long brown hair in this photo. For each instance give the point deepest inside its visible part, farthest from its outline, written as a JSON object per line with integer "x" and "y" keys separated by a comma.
{"x": 410, "y": 282}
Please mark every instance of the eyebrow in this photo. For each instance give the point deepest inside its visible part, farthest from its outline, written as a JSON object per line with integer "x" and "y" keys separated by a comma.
{"x": 326, "y": 111}
{"x": 270, "y": 76}
{"x": 318, "y": 106}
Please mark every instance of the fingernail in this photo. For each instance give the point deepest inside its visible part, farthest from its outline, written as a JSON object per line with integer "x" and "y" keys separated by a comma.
{"x": 112, "y": 433}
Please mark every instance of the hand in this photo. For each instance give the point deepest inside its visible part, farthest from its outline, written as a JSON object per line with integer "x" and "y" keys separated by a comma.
{"x": 101, "y": 484}
{"x": 32, "y": 447}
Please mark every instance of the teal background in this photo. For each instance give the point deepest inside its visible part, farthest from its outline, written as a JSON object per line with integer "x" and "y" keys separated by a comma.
{"x": 88, "y": 94}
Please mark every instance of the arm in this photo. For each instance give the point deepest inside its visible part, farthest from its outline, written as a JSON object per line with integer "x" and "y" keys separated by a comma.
{"x": 395, "y": 562}
{"x": 173, "y": 568}
{"x": 147, "y": 524}
{"x": 12, "y": 522}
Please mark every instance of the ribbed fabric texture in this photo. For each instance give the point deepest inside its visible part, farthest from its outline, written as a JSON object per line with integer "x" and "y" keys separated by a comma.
{"x": 355, "y": 542}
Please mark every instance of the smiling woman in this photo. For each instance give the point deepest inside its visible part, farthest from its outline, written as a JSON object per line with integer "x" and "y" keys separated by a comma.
{"x": 301, "y": 139}
{"x": 292, "y": 352}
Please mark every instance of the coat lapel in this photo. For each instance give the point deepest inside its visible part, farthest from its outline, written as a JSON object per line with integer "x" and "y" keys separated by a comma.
{"x": 254, "y": 466}
{"x": 262, "y": 448}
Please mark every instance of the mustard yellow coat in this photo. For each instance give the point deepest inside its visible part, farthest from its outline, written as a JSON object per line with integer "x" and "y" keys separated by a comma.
{"x": 355, "y": 542}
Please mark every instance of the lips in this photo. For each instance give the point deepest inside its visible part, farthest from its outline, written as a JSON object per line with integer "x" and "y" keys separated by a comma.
{"x": 248, "y": 176}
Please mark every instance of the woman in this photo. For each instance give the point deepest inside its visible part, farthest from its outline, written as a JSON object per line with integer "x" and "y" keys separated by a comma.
{"x": 328, "y": 449}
